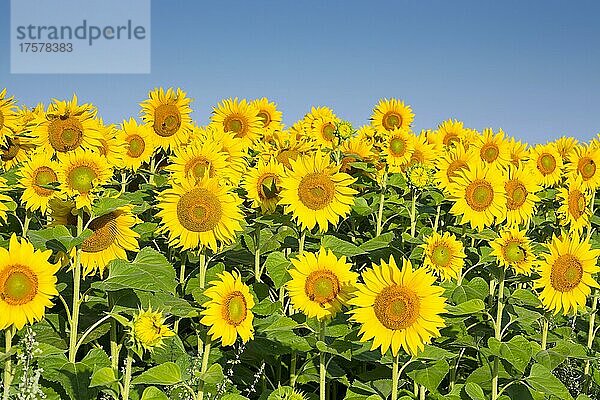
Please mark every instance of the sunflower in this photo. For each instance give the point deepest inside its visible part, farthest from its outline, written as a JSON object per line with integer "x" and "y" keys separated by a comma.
{"x": 240, "y": 118}
{"x": 323, "y": 131}
{"x": 229, "y": 311}
{"x": 422, "y": 151}
{"x": 321, "y": 283}
{"x": 304, "y": 126}
{"x": 519, "y": 152}
{"x": 36, "y": 173}
{"x": 286, "y": 146}
{"x": 574, "y": 201}
{"x": 263, "y": 184}
{"x": 27, "y": 283}
{"x": 112, "y": 236}
{"x": 268, "y": 114}
{"x": 200, "y": 215}
{"x": 448, "y": 134}
{"x": 148, "y": 329}
{"x": 193, "y": 162}
{"x": 110, "y": 146}
{"x": 566, "y": 273}
{"x": 398, "y": 149}
{"x": 168, "y": 113}
{"x": 3, "y": 199}
{"x": 565, "y": 146}
{"x": 390, "y": 115}
{"x": 546, "y": 164}
{"x": 233, "y": 148}
{"x": 315, "y": 192}
{"x": 15, "y": 150}
{"x": 138, "y": 143}
{"x": 478, "y": 196}
{"x": 398, "y": 308}
{"x": 8, "y": 116}
{"x": 451, "y": 163}
{"x": 585, "y": 162}
{"x": 444, "y": 255}
{"x": 355, "y": 149}
{"x": 520, "y": 188}
{"x": 62, "y": 212}
{"x": 81, "y": 173}
{"x": 493, "y": 149}
{"x": 66, "y": 126}
{"x": 513, "y": 250}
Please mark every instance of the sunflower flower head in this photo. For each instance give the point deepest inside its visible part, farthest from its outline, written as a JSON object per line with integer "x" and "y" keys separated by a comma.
{"x": 148, "y": 329}
{"x": 420, "y": 176}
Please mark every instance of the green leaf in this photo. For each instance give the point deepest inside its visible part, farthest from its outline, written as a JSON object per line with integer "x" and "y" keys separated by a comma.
{"x": 474, "y": 391}
{"x": 517, "y": 351}
{"x": 103, "y": 377}
{"x": 467, "y": 307}
{"x": 213, "y": 375}
{"x": 105, "y": 205}
{"x": 277, "y": 268}
{"x": 57, "y": 238}
{"x": 378, "y": 242}
{"x": 168, "y": 373}
{"x": 430, "y": 375}
{"x": 234, "y": 396}
{"x": 541, "y": 379}
{"x": 340, "y": 247}
{"x": 361, "y": 207}
{"x": 150, "y": 271}
{"x": 154, "y": 393}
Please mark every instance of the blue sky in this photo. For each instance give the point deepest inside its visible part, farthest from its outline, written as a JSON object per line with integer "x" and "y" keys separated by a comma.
{"x": 529, "y": 67}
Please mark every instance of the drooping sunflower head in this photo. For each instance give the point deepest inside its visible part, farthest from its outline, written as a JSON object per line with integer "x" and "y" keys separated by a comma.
{"x": 444, "y": 255}
{"x": 228, "y": 312}
{"x": 493, "y": 148}
{"x": 390, "y": 115}
{"x": 168, "y": 113}
{"x": 519, "y": 189}
{"x": 268, "y": 114}
{"x": 81, "y": 173}
{"x": 315, "y": 192}
{"x": 321, "y": 283}
{"x": 546, "y": 164}
{"x": 574, "y": 200}
{"x": 197, "y": 160}
{"x": 513, "y": 250}
{"x": 285, "y": 146}
{"x": 398, "y": 149}
{"x": 263, "y": 184}
{"x": 138, "y": 143}
{"x": 27, "y": 283}
{"x": 240, "y": 118}
{"x": 8, "y": 116}
{"x": 112, "y": 236}
{"x": 200, "y": 215}
{"x": 37, "y": 176}
{"x": 148, "y": 329}
{"x": 567, "y": 273}
{"x": 356, "y": 149}
{"x": 584, "y": 161}
{"x": 478, "y": 196}
{"x": 398, "y": 308}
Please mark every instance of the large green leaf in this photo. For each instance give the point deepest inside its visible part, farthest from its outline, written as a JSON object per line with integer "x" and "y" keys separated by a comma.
{"x": 168, "y": 373}
{"x": 468, "y": 307}
{"x": 517, "y": 351}
{"x": 430, "y": 375}
{"x": 154, "y": 393}
{"x": 340, "y": 247}
{"x": 277, "y": 268}
{"x": 474, "y": 391}
{"x": 541, "y": 379}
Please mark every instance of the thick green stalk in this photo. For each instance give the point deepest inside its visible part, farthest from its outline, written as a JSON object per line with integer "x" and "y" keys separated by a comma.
{"x": 381, "y": 204}
{"x": 322, "y": 367}
{"x": 294, "y": 356}
{"x": 544, "y": 333}
{"x": 257, "y": 255}
{"x": 498, "y": 332}
{"x": 395, "y": 377}
{"x": 127, "y": 377}
{"x": 114, "y": 345}
{"x": 204, "y": 366}
{"x": 8, "y": 373}
{"x": 76, "y": 293}
{"x": 590, "y": 339}
{"x": 413, "y": 215}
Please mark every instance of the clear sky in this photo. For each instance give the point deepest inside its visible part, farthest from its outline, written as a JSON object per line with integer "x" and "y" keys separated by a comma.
{"x": 529, "y": 67}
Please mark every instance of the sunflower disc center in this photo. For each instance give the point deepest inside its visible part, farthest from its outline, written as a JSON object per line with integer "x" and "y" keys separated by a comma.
{"x": 391, "y": 120}
{"x": 65, "y": 134}
{"x": 489, "y": 152}
{"x": 105, "y": 231}
{"x": 586, "y": 167}
{"x": 198, "y": 167}
{"x": 398, "y": 146}
{"x": 43, "y": 176}
{"x": 441, "y": 255}
{"x": 397, "y": 307}
{"x": 235, "y": 308}
{"x": 265, "y": 118}
{"x": 328, "y": 131}
{"x": 11, "y": 150}
{"x": 19, "y": 285}
{"x": 136, "y": 146}
{"x": 322, "y": 286}
{"x": 546, "y": 163}
{"x": 81, "y": 178}
{"x": 236, "y": 125}
{"x": 516, "y": 194}
{"x": 167, "y": 120}
{"x": 514, "y": 252}
{"x": 567, "y": 273}
{"x": 479, "y": 195}
{"x": 316, "y": 191}
{"x": 267, "y": 187}
{"x": 199, "y": 210}
{"x": 450, "y": 138}
{"x": 577, "y": 204}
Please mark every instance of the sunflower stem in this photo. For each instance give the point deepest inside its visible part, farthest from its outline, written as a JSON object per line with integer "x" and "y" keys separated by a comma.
{"x": 114, "y": 346}
{"x": 293, "y": 362}
{"x": 202, "y": 273}
{"x": 395, "y": 377}
{"x": 8, "y": 373}
{"x": 127, "y": 376}
{"x": 301, "y": 243}
{"x": 413, "y": 215}
{"x": 437, "y": 218}
{"x": 498, "y": 332}
{"x": 204, "y": 366}
{"x": 322, "y": 367}
{"x": 76, "y": 293}
{"x": 381, "y": 204}
{"x": 590, "y": 339}
{"x": 422, "y": 392}
{"x": 152, "y": 169}
{"x": 257, "y": 254}
{"x": 123, "y": 182}
{"x": 544, "y": 333}
{"x": 26, "y": 223}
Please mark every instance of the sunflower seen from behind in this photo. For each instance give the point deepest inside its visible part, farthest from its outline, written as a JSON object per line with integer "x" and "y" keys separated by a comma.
{"x": 27, "y": 283}
{"x": 513, "y": 250}
{"x": 392, "y": 114}
{"x": 574, "y": 210}
{"x": 398, "y": 308}
{"x": 263, "y": 184}
{"x": 567, "y": 273}
{"x": 228, "y": 312}
{"x": 138, "y": 144}
{"x": 316, "y": 193}
{"x": 444, "y": 255}
{"x": 321, "y": 283}
{"x": 36, "y": 176}
{"x": 200, "y": 215}
{"x": 168, "y": 113}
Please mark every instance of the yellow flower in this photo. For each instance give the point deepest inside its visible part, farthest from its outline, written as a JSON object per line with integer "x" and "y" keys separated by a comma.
{"x": 285, "y": 146}
{"x": 110, "y": 146}
{"x": 228, "y": 313}
{"x": 392, "y": 114}
{"x": 27, "y": 283}
{"x": 398, "y": 149}
{"x": 197, "y": 160}
{"x": 268, "y": 114}
{"x": 513, "y": 249}
{"x": 263, "y": 184}
{"x": 545, "y": 163}
{"x": 574, "y": 200}
{"x": 422, "y": 151}
{"x": 448, "y": 134}
{"x": 168, "y": 113}
{"x": 451, "y": 163}
{"x": 567, "y": 273}
{"x": 398, "y": 308}
{"x": 321, "y": 283}
{"x": 15, "y": 151}
{"x": 137, "y": 143}
{"x": 323, "y": 132}
{"x": 519, "y": 152}
{"x": 149, "y": 329}
{"x": 519, "y": 189}
{"x": 493, "y": 149}
{"x": 234, "y": 150}
{"x": 315, "y": 192}
{"x": 200, "y": 215}
{"x": 36, "y": 173}
{"x": 585, "y": 163}
{"x": 444, "y": 255}
{"x": 8, "y": 116}
{"x": 565, "y": 146}
{"x": 240, "y": 118}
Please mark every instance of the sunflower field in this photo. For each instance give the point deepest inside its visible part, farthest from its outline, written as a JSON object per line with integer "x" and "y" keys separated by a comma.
{"x": 244, "y": 259}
